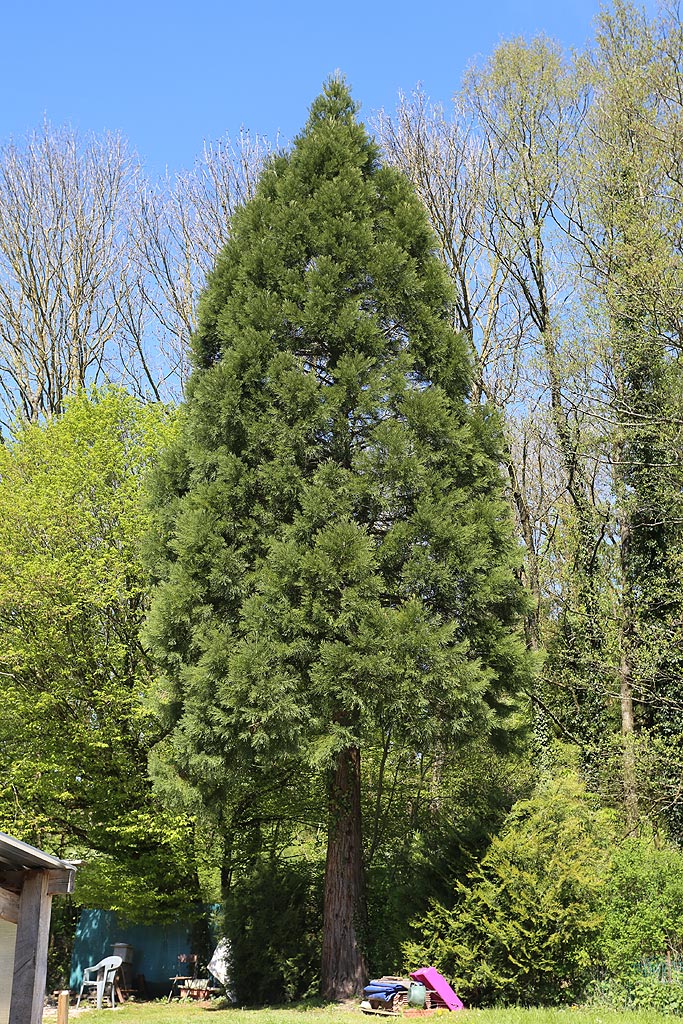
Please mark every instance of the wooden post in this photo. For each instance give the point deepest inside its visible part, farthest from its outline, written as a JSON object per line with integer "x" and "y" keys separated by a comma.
{"x": 63, "y": 1007}
{"x": 30, "y": 951}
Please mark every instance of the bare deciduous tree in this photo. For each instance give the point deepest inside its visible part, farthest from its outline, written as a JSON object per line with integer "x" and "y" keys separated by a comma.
{"x": 64, "y": 255}
{"x": 489, "y": 174}
{"x": 180, "y": 227}
{"x": 100, "y": 271}
{"x": 450, "y": 168}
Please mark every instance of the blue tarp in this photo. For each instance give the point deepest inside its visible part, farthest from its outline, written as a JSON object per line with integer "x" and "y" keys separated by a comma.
{"x": 382, "y": 990}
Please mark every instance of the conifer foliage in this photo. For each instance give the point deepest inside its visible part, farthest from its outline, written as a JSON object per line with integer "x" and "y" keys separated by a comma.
{"x": 333, "y": 543}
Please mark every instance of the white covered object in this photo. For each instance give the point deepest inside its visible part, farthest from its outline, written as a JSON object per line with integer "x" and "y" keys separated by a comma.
{"x": 220, "y": 965}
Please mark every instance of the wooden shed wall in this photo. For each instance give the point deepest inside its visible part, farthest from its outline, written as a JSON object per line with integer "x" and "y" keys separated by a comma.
{"x": 8, "y": 934}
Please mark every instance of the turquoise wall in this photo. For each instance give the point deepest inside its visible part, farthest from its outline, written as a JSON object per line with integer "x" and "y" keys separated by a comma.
{"x": 156, "y": 947}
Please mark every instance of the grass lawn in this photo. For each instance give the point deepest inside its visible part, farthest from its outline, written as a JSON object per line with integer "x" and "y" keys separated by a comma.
{"x": 179, "y": 1013}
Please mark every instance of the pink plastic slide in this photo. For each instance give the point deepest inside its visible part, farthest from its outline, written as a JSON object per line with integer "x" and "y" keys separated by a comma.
{"x": 431, "y": 979}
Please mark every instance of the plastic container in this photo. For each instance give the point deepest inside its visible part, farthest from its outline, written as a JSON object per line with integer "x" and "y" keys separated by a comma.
{"x": 417, "y": 995}
{"x": 123, "y": 950}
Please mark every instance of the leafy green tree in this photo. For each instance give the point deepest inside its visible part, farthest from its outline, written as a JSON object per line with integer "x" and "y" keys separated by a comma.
{"x": 629, "y": 241}
{"x": 334, "y": 545}
{"x": 75, "y": 732}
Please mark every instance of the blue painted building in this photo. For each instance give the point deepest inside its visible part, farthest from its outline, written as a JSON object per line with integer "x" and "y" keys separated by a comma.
{"x": 156, "y": 948}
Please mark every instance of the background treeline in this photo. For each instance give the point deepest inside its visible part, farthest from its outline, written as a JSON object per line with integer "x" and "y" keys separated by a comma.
{"x": 537, "y": 871}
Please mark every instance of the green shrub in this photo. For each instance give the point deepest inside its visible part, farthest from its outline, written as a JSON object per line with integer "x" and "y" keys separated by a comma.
{"x": 526, "y": 926}
{"x": 274, "y": 922}
{"x": 643, "y": 907}
{"x": 653, "y": 994}
{"x": 643, "y": 993}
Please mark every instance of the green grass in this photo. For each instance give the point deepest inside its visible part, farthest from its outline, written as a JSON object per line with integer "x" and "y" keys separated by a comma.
{"x": 179, "y": 1013}
{"x": 567, "y": 1015}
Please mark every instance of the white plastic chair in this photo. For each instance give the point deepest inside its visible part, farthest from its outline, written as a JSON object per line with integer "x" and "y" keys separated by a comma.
{"x": 104, "y": 976}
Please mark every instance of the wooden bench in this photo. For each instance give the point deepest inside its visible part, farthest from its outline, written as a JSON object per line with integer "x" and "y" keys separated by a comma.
{"x": 198, "y": 988}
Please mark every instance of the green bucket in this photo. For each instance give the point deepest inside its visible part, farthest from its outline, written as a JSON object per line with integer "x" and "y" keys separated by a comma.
{"x": 417, "y": 995}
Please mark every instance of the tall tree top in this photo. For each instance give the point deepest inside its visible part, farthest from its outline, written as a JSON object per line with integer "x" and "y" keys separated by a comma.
{"x": 334, "y": 104}
{"x": 333, "y": 254}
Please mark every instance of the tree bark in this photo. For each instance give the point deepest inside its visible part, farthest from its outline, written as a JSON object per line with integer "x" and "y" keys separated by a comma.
{"x": 344, "y": 917}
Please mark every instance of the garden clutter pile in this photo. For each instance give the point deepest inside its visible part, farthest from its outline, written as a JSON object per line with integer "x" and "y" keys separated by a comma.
{"x": 424, "y": 991}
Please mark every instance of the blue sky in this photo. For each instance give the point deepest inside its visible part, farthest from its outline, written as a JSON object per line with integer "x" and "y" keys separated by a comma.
{"x": 170, "y": 75}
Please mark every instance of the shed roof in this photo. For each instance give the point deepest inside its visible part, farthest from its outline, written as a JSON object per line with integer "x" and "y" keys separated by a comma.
{"x": 15, "y": 854}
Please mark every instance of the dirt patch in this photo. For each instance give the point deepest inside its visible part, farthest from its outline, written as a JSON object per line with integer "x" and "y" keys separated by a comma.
{"x": 50, "y": 1012}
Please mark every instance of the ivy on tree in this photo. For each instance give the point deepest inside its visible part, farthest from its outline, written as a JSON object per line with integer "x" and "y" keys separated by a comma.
{"x": 332, "y": 539}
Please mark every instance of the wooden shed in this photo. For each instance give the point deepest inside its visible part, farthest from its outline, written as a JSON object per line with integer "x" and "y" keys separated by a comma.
{"x": 29, "y": 878}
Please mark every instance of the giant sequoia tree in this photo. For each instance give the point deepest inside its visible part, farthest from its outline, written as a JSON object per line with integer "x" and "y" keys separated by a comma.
{"x": 333, "y": 543}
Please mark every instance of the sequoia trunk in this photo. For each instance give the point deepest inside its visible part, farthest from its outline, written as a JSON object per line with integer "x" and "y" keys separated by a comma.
{"x": 343, "y": 963}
